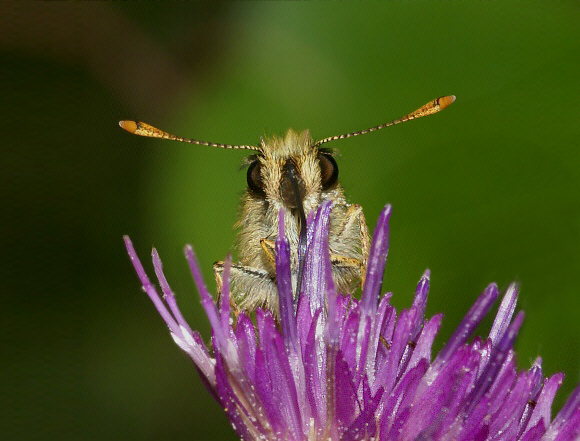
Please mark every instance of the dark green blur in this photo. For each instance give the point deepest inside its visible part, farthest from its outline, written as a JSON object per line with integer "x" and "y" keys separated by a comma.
{"x": 486, "y": 191}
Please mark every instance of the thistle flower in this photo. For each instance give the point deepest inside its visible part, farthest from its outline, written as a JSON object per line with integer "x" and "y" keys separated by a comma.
{"x": 335, "y": 367}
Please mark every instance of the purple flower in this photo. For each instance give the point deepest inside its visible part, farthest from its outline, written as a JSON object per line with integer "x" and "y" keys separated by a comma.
{"x": 334, "y": 367}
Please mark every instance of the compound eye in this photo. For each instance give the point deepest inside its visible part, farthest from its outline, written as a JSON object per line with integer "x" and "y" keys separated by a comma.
{"x": 328, "y": 170}
{"x": 254, "y": 177}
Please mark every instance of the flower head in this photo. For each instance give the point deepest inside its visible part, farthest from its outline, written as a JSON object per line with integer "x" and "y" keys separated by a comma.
{"x": 335, "y": 367}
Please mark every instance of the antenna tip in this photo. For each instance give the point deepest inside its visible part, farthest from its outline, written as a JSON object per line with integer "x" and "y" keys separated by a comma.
{"x": 129, "y": 126}
{"x": 446, "y": 101}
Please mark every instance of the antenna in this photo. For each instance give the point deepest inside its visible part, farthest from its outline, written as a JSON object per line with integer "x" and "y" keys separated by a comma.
{"x": 144, "y": 129}
{"x": 428, "y": 109}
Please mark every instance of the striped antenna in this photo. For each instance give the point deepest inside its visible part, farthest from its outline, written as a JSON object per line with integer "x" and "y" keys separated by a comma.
{"x": 428, "y": 109}
{"x": 144, "y": 129}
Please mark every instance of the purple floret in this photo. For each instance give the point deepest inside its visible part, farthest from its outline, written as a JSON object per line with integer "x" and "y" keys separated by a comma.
{"x": 334, "y": 367}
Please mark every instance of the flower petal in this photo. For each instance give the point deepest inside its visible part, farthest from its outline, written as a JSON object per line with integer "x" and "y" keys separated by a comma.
{"x": 376, "y": 263}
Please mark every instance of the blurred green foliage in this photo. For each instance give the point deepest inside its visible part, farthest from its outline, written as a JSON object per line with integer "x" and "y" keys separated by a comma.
{"x": 486, "y": 191}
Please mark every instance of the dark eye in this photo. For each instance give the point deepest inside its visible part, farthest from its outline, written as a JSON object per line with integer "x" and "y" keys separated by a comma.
{"x": 254, "y": 177}
{"x": 328, "y": 170}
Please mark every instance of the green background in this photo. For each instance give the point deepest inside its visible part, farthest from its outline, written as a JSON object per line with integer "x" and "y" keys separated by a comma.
{"x": 488, "y": 190}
